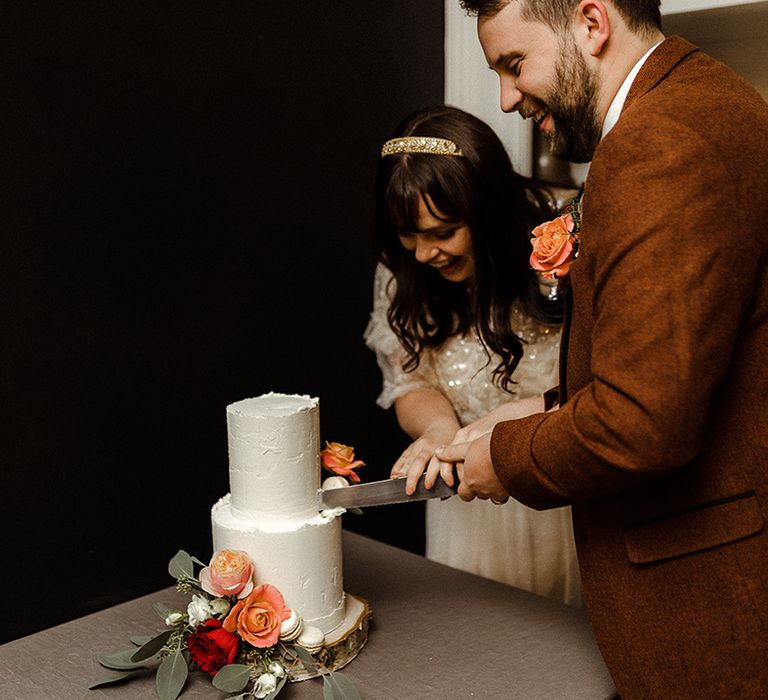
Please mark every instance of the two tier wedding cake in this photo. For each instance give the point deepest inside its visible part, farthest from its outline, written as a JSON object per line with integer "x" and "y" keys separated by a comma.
{"x": 273, "y": 514}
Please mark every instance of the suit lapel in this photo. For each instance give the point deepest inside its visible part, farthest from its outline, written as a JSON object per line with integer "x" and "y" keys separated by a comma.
{"x": 666, "y": 56}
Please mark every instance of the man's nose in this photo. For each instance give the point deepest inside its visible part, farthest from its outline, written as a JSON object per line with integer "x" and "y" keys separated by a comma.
{"x": 425, "y": 250}
{"x": 510, "y": 95}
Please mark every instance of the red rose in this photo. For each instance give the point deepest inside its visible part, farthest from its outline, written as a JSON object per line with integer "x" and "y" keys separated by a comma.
{"x": 212, "y": 647}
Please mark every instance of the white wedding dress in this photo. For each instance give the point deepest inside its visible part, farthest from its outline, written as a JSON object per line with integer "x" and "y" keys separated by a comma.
{"x": 511, "y": 543}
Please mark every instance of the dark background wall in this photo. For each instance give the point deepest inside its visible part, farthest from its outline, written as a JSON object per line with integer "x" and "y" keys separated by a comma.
{"x": 189, "y": 210}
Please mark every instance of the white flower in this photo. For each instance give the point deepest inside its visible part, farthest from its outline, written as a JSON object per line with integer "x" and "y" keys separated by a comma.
{"x": 174, "y": 618}
{"x": 276, "y": 669}
{"x": 264, "y": 685}
{"x": 199, "y": 610}
{"x": 219, "y": 606}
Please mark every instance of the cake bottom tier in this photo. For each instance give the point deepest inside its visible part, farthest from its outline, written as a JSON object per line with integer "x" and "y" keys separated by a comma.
{"x": 302, "y": 559}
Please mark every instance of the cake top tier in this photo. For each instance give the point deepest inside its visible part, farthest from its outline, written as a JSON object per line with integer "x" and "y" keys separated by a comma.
{"x": 273, "y": 405}
{"x": 274, "y": 457}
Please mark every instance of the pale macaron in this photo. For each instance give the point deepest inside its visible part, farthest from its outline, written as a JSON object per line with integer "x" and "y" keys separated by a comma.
{"x": 334, "y": 482}
{"x": 291, "y": 628}
{"x": 311, "y": 639}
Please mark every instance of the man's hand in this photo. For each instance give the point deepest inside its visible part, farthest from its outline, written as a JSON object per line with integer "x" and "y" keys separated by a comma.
{"x": 477, "y": 476}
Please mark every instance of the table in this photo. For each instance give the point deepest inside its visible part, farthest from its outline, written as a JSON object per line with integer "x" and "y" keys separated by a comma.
{"x": 436, "y": 633}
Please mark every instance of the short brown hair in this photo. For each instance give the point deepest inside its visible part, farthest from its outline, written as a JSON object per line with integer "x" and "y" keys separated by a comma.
{"x": 640, "y": 15}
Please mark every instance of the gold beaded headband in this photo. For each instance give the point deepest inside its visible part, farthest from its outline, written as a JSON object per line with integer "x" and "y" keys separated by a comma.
{"x": 420, "y": 144}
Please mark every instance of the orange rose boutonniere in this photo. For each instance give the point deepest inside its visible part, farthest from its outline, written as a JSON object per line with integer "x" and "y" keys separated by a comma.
{"x": 556, "y": 243}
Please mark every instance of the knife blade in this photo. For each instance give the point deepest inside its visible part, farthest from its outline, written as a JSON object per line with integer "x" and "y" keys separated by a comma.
{"x": 383, "y": 493}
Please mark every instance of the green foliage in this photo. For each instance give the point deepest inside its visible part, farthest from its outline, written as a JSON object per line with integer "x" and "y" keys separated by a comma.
{"x": 117, "y": 678}
{"x": 336, "y": 686}
{"x": 305, "y": 657}
{"x": 232, "y": 678}
{"x": 152, "y": 647}
{"x": 140, "y": 639}
{"x": 171, "y": 676}
{"x": 162, "y": 610}
{"x": 120, "y": 660}
{"x": 180, "y": 566}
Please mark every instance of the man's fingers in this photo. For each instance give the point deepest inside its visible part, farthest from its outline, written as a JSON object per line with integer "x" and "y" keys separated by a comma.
{"x": 452, "y": 453}
{"x": 464, "y": 493}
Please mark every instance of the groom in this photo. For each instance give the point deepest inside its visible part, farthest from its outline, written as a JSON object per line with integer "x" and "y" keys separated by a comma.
{"x": 661, "y": 439}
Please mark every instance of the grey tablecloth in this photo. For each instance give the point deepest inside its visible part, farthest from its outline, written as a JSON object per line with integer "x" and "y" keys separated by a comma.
{"x": 436, "y": 633}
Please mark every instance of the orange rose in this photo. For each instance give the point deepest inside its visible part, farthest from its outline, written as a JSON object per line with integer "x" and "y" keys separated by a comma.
{"x": 554, "y": 246}
{"x": 340, "y": 459}
{"x": 258, "y": 617}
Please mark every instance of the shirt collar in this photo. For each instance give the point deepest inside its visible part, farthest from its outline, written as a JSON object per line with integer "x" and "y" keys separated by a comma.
{"x": 614, "y": 110}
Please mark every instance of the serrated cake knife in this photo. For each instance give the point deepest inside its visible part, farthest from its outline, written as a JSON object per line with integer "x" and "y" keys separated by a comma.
{"x": 383, "y": 493}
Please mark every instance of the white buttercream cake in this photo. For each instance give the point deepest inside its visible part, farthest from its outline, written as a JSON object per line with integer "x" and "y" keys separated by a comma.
{"x": 272, "y": 511}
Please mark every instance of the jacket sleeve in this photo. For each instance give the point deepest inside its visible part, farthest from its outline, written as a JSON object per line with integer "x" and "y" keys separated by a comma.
{"x": 665, "y": 272}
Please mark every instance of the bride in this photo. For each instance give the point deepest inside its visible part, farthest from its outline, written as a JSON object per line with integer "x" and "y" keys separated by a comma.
{"x": 465, "y": 336}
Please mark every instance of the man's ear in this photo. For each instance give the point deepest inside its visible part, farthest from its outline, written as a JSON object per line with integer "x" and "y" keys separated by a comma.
{"x": 592, "y": 26}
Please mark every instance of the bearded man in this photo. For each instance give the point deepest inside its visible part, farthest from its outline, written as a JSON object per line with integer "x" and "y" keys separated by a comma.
{"x": 660, "y": 442}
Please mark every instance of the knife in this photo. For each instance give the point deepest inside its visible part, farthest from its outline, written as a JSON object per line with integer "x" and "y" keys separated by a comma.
{"x": 383, "y": 493}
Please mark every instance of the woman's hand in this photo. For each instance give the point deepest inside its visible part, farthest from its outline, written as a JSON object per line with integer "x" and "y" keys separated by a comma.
{"x": 507, "y": 411}
{"x": 419, "y": 457}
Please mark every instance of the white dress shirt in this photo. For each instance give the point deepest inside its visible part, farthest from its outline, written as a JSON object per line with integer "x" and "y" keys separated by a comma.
{"x": 612, "y": 116}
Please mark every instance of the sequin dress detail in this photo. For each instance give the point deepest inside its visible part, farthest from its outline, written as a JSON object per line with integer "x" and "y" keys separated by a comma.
{"x": 514, "y": 544}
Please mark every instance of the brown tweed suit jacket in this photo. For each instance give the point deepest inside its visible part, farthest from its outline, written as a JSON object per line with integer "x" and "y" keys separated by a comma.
{"x": 661, "y": 441}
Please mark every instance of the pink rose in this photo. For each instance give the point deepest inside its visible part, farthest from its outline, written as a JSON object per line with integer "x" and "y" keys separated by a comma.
{"x": 553, "y": 246}
{"x": 257, "y": 618}
{"x": 340, "y": 459}
{"x": 229, "y": 573}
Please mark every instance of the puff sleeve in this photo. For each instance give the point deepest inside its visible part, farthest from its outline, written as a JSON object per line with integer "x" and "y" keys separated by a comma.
{"x": 390, "y": 354}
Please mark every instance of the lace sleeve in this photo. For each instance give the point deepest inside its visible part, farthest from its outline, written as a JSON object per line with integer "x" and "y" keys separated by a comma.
{"x": 390, "y": 354}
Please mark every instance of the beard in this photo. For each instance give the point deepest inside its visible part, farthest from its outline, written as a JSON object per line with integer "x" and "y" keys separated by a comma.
{"x": 573, "y": 106}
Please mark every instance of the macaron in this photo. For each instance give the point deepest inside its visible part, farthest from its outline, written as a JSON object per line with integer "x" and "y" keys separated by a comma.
{"x": 334, "y": 482}
{"x": 311, "y": 639}
{"x": 292, "y": 627}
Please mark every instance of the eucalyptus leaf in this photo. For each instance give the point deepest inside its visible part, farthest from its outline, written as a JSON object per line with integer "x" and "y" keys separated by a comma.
{"x": 171, "y": 676}
{"x": 239, "y": 696}
{"x": 118, "y": 678}
{"x": 232, "y": 678}
{"x": 277, "y": 689}
{"x": 152, "y": 647}
{"x": 328, "y": 689}
{"x": 356, "y": 511}
{"x": 345, "y": 689}
{"x": 197, "y": 561}
{"x": 140, "y": 639}
{"x": 120, "y": 660}
{"x": 181, "y": 565}
{"x": 306, "y": 658}
{"x": 162, "y": 609}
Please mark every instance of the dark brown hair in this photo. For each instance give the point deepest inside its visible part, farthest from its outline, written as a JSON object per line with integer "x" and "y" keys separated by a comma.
{"x": 500, "y": 207}
{"x": 640, "y": 15}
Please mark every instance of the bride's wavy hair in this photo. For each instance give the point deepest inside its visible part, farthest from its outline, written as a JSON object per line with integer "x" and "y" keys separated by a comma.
{"x": 500, "y": 207}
